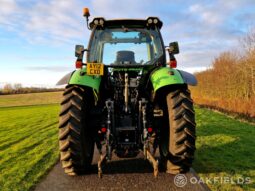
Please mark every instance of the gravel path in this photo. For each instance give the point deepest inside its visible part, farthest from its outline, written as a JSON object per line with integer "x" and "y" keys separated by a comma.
{"x": 119, "y": 174}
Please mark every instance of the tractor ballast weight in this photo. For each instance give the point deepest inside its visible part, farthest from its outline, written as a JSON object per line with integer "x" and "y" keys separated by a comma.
{"x": 126, "y": 98}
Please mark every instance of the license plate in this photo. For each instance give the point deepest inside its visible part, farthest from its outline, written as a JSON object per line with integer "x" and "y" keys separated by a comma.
{"x": 95, "y": 69}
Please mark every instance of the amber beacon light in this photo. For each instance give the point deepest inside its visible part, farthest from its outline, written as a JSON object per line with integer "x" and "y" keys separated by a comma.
{"x": 86, "y": 12}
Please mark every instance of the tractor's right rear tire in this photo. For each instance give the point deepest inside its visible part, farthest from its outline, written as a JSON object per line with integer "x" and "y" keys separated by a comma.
{"x": 76, "y": 142}
{"x": 177, "y": 145}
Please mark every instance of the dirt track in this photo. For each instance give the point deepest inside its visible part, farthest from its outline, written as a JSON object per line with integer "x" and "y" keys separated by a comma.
{"x": 119, "y": 174}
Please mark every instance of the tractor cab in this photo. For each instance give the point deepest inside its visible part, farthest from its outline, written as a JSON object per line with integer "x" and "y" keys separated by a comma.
{"x": 113, "y": 43}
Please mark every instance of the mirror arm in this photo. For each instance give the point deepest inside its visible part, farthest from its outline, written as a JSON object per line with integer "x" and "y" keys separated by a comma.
{"x": 171, "y": 56}
{"x": 80, "y": 57}
{"x": 87, "y": 21}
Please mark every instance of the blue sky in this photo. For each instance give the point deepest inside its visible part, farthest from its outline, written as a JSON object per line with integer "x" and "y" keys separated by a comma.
{"x": 37, "y": 37}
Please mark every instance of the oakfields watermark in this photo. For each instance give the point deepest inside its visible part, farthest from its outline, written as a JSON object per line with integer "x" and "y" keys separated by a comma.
{"x": 180, "y": 180}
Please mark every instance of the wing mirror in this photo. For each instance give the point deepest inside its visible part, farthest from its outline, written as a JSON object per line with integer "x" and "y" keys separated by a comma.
{"x": 79, "y": 49}
{"x": 173, "y": 48}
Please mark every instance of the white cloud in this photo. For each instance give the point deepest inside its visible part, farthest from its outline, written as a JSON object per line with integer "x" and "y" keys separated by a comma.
{"x": 198, "y": 58}
{"x": 54, "y": 21}
{"x": 112, "y": 9}
{"x": 208, "y": 29}
{"x": 54, "y": 69}
{"x": 206, "y": 15}
{"x": 193, "y": 69}
{"x": 8, "y": 9}
{"x": 29, "y": 78}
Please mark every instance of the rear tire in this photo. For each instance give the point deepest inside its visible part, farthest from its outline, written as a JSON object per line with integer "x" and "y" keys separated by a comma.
{"x": 177, "y": 145}
{"x": 76, "y": 142}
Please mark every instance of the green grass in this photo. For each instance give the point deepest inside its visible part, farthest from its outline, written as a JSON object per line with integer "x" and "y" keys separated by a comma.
{"x": 28, "y": 145}
{"x": 225, "y": 148}
{"x": 30, "y": 99}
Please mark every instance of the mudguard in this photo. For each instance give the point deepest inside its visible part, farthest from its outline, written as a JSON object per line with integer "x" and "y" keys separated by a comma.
{"x": 64, "y": 80}
{"x": 188, "y": 78}
{"x": 169, "y": 76}
{"x": 79, "y": 77}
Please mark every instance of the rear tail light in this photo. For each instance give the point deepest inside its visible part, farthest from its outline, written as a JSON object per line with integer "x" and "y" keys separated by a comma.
{"x": 78, "y": 64}
{"x": 173, "y": 63}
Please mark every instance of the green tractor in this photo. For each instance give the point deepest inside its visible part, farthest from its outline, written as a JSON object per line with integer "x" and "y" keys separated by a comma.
{"x": 126, "y": 98}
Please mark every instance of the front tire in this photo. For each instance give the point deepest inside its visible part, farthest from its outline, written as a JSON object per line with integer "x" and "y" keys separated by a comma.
{"x": 76, "y": 142}
{"x": 178, "y": 140}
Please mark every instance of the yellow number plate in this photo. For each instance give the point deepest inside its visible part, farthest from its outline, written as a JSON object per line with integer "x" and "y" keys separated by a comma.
{"x": 95, "y": 69}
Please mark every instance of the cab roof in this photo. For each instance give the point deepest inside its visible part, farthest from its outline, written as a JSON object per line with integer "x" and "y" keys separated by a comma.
{"x": 150, "y": 22}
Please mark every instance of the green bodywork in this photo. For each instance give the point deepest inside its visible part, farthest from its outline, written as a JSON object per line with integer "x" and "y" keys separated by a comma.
{"x": 165, "y": 76}
{"x": 162, "y": 77}
{"x": 79, "y": 77}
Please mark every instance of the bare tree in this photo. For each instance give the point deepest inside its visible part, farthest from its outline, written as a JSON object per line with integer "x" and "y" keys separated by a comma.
{"x": 17, "y": 86}
{"x": 7, "y": 88}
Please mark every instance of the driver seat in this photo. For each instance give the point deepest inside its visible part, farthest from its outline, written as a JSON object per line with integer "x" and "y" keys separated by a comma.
{"x": 125, "y": 57}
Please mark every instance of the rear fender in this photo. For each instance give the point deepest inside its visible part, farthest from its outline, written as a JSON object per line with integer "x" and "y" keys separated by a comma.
{"x": 168, "y": 76}
{"x": 65, "y": 79}
{"x": 188, "y": 78}
{"x": 79, "y": 77}
{"x": 164, "y": 77}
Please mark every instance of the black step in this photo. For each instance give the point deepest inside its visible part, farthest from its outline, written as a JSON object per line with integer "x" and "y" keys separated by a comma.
{"x": 127, "y": 128}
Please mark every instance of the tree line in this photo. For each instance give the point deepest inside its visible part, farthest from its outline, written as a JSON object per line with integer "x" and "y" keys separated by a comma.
{"x": 19, "y": 89}
{"x": 230, "y": 83}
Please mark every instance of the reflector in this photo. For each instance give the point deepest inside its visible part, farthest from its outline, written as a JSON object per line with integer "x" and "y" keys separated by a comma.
{"x": 103, "y": 129}
{"x": 150, "y": 129}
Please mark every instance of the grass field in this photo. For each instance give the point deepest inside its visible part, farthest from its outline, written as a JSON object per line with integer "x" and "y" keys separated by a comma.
{"x": 30, "y": 99}
{"x": 225, "y": 148}
{"x": 29, "y": 146}
{"x": 28, "y": 138}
